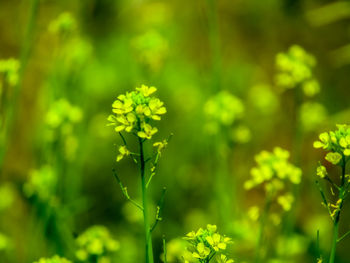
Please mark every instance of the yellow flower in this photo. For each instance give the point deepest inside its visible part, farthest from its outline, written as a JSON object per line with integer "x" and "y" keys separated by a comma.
{"x": 146, "y": 91}
{"x": 126, "y": 123}
{"x": 160, "y": 145}
{"x": 223, "y": 259}
{"x": 147, "y": 132}
{"x": 321, "y": 171}
{"x": 216, "y": 242}
{"x": 123, "y": 151}
{"x": 333, "y": 157}
{"x": 202, "y": 251}
{"x": 156, "y": 107}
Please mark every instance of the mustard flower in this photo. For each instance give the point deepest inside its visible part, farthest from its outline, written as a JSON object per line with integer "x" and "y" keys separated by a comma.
{"x": 321, "y": 171}
{"x": 123, "y": 151}
{"x": 275, "y": 173}
{"x": 295, "y": 68}
{"x": 95, "y": 242}
{"x": 336, "y": 143}
{"x": 160, "y": 145}
{"x": 222, "y": 110}
{"x": 151, "y": 49}
{"x": 9, "y": 69}
{"x": 134, "y": 111}
{"x": 63, "y": 24}
{"x": 223, "y": 259}
{"x": 206, "y": 243}
{"x": 54, "y": 259}
{"x": 42, "y": 184}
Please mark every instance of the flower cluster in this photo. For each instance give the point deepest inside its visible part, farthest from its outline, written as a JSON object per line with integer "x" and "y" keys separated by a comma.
{"x": 54, "y": 259}
{"x": 134, "y": 111}
{"x": 312, "y": 115}
{"x": 9, "y": 69}
{"x": 60, "y": 121}
{"x": 295, "y": 68}
{"x": 222, "y": 110}
{"x": 41, "y": 184}
{"x": 96, "y": 242}
{"x": 207, "y": 244}
{"x": 151, "y": 48}
{"x": 65, "y": 23}
{"x": 336, "y": 143}
{"x": 275, "y": 172}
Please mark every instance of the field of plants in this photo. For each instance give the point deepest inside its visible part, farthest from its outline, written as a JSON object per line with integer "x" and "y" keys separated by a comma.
{"x": 148, "y": 131}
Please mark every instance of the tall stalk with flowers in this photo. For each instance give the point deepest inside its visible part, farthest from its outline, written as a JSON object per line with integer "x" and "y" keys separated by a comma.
{"x": 133, "y": 113}
{"x": 337, "y": 145}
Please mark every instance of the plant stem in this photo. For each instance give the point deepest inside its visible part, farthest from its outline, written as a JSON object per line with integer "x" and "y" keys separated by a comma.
{"x": 261, "y": 231}
{"x": 337, "y": 214}
{"x": 334, "y": 241}
{"x": 148, "y": 236}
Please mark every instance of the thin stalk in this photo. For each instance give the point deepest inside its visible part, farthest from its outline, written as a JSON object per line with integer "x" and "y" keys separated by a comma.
{"x": 261, "y": 231}
{"x": 334, "y": 241}
{"x": 148, "y": 235}
{"x": 337, "y": 215}
{"x": 24, "y": 57}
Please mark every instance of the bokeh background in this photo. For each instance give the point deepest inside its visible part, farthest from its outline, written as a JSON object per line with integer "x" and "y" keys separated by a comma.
{"x": 76, "y": 57}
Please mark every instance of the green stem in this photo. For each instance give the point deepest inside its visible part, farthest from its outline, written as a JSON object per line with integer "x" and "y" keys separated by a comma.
{"x": 334, "y": 241}
{"x": 261, "y": 231}
{"x": 148, "y": 236}
{"x": 337, "y": 215}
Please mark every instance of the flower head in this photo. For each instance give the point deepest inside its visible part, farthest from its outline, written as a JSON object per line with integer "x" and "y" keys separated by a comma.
{"x": 95, "y": 242}
{"x": 134, "y": 111}
{"x": 275, "y": 172}
{"x": 207, "y": 242}
{"x": 54, "y": 259}
{"x": 123, "y": 151}
{"x": 336, "y": 143}
{"x": 295, "y": 68}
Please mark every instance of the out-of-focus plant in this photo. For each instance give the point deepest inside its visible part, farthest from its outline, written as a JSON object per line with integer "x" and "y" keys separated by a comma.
{"x": 134, "y": 113}
{"x": 264, "y": 100}
{"x": 151, "y": 49}
{"x": 9, "y": 77}
{"x": 60, "y": 121}
{"x": 42, "y": 185}
{"x": 295, "y": 69}
{"x": 54, "y": 259}
{"x": 96, "y": 245}
{"x": 222, "y": 111}
{"x": 207, "y": 244}
{"x": 337, "y": 145}
{"x": 276, "y": 174}
{"x": 312, "y": 115}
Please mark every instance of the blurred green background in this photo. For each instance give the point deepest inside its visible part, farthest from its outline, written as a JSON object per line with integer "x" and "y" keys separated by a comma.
{"x": 76, "y": 57}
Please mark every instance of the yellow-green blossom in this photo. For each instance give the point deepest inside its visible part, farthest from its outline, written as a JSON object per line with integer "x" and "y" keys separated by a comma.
{"x": 202, "y": 251}
{"x": 205, "y": 243}
{"x": 134, "y": 111}
{"x": 295, "y": 68}
{"x": 9, "y": 71}
{"x": 276, "y": 174}
{"x": 223, "y": 109}
{"x": 223, "y": 259}
{"x": 54, "y": 259}
{"x": 65, "y": 23}
{"x": 160, "y": 145}
{"x": 321, "y": 171}
{"x": 123, "y": 151}
{"x": 95, "y": 242}
{"x": 336, "y": 143}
